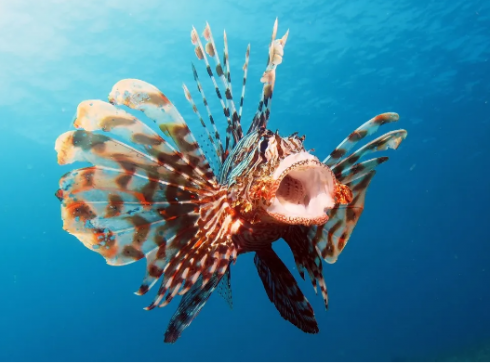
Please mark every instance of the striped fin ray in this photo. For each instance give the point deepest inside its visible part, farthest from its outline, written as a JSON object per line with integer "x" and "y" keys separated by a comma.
{"x": 276, "y": 53}
{"x": 225, "y": 79}
{"x": 390, "y": 140}
{"x": 155, "y": 105}
{"x": 331, "y": 238}
{"x": 124, "y": 216}
{"x": 184, "y": 269}
{"x": 207, "y": 253}
{"x": 359, "y": 169}
{"x": 306, "y": 257}
{"x": 245, "y": 72}
{"x": 136, "y": 196}
{"x": 97, "y": 184}
{"x": 366, "y": 129}
{"x": 226, "y": 59}
{"x": 127, "y": 236}
{"x": 101, "y": 150}
{"x": 181, "y": 229}
{"x": 217, "y": 136}
{"x": 283, "y": 291}
{"x": 201, "y": 55}
{"x": 96, "y": 115}
{"x": 190, "y": 306}
{"x": 203, "y": 124}
{"x": 142, "y": 197}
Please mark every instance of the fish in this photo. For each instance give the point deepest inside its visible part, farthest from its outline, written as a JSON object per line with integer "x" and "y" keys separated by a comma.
{"x": 151, "y": 192}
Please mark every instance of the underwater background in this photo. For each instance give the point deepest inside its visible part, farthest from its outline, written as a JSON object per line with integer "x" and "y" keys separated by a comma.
{"x": 413, "y": 282}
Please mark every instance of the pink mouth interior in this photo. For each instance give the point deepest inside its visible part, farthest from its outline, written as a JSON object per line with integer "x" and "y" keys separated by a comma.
{"x": 305, "y": 192}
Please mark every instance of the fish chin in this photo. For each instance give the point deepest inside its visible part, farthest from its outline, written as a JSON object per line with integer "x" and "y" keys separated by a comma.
{"x": 304, "y": 191}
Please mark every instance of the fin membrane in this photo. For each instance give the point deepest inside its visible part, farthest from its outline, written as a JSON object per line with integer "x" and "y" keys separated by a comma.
{"x": 283, "y": 291}
{"x": 144, "y": 197}
{"x": 189, "y": 307}
{"x": 331, "y": 238}
{"x": 306, "y": 258}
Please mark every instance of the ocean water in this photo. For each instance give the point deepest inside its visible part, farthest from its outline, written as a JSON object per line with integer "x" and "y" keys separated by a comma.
{"x": 413, "y": 282}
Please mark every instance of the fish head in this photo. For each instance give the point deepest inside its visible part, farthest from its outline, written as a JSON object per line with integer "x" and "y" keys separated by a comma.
{"x": 289, "y": 185}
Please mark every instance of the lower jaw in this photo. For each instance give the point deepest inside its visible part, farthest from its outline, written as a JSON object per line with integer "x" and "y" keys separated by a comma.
{"x": 315, "y": 221}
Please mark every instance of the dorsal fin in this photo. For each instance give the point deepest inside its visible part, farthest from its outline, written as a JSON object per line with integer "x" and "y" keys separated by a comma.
{"x": 201, "y": 55}
{"x": 218, "y": 147}
{"x": 276, "y": 52}
{"x": 245, "y": 71}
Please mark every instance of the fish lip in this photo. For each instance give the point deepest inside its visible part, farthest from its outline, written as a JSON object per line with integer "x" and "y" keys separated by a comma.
{"x": 317, "y": 184}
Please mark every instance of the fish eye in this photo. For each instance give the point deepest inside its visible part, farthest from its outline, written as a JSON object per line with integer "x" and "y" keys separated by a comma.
{"x": 264, "y": 143}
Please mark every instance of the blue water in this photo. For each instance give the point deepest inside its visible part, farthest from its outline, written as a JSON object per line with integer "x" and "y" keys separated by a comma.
{"x": 412, "y": 282}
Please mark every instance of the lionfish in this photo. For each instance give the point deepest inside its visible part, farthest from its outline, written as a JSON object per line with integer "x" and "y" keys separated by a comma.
{"x": 154, "y": 195}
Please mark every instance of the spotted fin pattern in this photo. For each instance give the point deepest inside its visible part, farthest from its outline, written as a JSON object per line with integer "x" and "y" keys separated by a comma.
{"x": 144, "y": 197}
{"x": 145, "y": 97}
{"x": 330, "y": 239}
{"x": 283, "y": 291}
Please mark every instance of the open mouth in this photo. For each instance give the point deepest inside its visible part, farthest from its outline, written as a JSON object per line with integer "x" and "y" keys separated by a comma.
{"x": 304, "y": 191}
